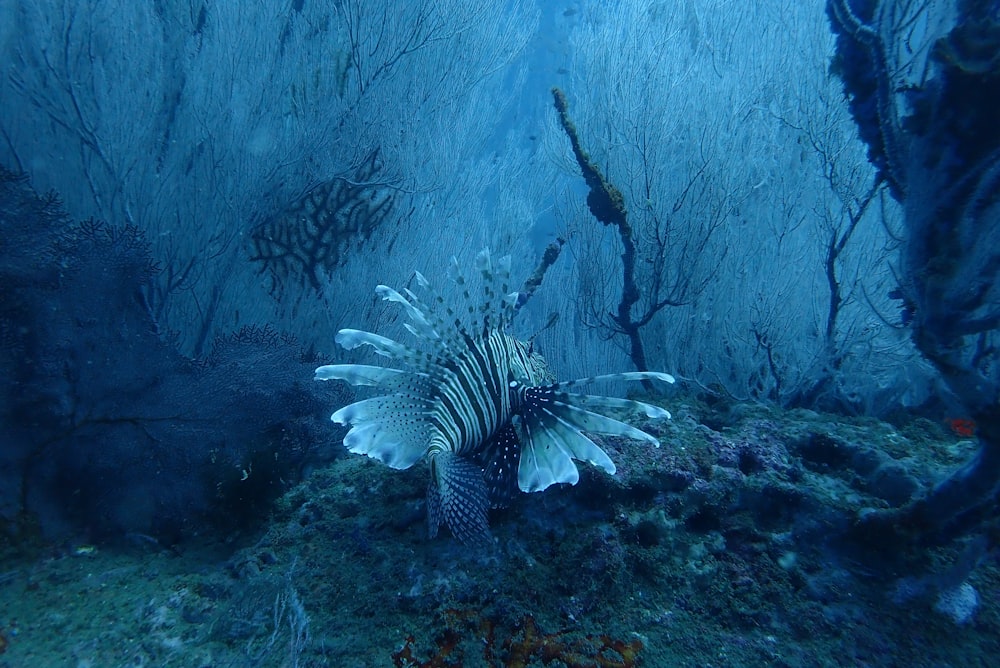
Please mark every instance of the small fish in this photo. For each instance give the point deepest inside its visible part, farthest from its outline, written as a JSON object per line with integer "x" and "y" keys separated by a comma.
{"x": 964, "y": 427}
{"x": 478, "y": 403}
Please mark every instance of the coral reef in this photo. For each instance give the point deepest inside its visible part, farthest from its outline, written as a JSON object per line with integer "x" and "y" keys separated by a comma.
{"x": 727, "y": 548}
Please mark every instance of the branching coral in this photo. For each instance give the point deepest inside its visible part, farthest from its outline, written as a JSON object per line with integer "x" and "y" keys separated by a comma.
{"x": 308, "y": 239}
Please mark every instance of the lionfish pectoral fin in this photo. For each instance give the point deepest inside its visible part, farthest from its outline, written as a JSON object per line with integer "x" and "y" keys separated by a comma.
{"x": 613, "y": 406}
{"x": 391, "y": 428}
{"x": 457, "y": 497}
{"x": 376, "y": 441}
{"x": 544, "y": 459}
{"x": 580, "y": 418}
{"x": 361, "y": 374}
{"x": 554, "y": 425}
{"x": 551, "y": 445}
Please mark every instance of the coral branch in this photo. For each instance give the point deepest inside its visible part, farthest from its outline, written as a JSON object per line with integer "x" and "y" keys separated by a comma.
{"x": 608, "y": 206}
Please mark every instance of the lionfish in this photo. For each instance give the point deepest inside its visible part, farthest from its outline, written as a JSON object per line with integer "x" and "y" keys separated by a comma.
{"x": 478, "y": 403}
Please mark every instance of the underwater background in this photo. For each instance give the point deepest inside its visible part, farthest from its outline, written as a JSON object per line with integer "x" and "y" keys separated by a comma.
{"x": 791, "y": 207}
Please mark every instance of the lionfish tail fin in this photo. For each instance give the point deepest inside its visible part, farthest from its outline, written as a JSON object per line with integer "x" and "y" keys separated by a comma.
{"x": 456, "y": 496}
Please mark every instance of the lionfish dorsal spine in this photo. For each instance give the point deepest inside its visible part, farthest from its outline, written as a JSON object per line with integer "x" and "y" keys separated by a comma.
{"x": 419, "y": 324}
{"x": 497, "y": 307}
{"x": 448, "y": 342}
{"x": 458, "y": 278}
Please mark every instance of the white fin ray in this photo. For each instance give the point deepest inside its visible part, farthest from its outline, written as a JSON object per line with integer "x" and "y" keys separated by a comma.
{"x": 355, "y": 338}
{"x": 508, "y": 299}
{"x": 510, "y": 306}
{"x": 627, "y": 376}
{"x": 349, "y": 339}
{"x": 498, "y": 303}
{"x": 503, "y": 269}
{"x": 462, "y": 326}
{"x": 455, "y": 272}
{"x": 448, "y": 342}
{"x": 419, "y": 325}
{"x": 596, "y": 423}
{"x": 577, "y": 445}
{"x": 612, "y": 405}
{"x": 363, "y": 374}
{"x": 484, "y": 264}
{"x": 445, "y": 325}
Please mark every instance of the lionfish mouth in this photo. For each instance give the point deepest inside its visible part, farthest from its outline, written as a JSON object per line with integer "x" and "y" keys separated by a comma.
{"x": 478, "y": 403}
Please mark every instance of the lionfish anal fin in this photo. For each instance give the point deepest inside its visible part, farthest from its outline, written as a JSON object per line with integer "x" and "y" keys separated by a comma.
{"x": 500, "y": 460}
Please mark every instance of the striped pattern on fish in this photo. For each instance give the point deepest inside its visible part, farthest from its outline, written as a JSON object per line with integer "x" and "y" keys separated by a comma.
{"x": 478, "y": 403}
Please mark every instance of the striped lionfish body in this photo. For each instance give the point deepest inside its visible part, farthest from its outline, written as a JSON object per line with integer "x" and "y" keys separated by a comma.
{"x": 478, "y": 403}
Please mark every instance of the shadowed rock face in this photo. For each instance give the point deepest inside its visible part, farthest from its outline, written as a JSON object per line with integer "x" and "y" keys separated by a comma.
{"x": 108, "y": 430}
